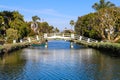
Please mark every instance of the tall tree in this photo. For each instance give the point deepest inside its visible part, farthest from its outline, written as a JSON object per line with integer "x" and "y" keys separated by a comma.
{"x": 17, "y": 22}
{"x": 8, "y": 17}
{"x": 35, "y": 18}
{"x": 34, "y": 25}
{"x": 104, "y": 24}
{"x": 1, "y": 20}
{"x": 102, "y": 4}
{"x": 2, "y": 28}
{"x": 72, "y": 23}
{"x": 56, "y": 30}
{"x": 84, "y": 26}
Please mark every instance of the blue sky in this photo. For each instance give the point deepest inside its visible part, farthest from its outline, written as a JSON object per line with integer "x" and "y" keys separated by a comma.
{"x": 56, "y": 12}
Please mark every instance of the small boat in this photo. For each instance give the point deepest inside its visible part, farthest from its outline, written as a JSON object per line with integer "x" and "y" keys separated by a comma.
{"x": 36, "y": 44}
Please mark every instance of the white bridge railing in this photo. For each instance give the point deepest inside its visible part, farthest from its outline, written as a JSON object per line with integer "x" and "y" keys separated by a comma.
{"x": 82, "y": 38}
{"x": 59, "y": 36}
{"x": 68, "y": 37}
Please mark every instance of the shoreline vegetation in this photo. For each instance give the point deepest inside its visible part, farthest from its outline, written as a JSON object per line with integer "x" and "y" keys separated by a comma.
{"x": 109, "y": 48}
{"x": 7, "y": 48}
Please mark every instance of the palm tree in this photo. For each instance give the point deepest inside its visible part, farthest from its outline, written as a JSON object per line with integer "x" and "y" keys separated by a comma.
{"x": 34, "y": 25}
{"x": 72, "y": 23}
{"x": 35, "y": 18}
{"x": 102, "y": 4}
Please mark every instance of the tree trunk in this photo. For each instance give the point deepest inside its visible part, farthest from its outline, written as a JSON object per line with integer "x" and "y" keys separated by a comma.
{"x": 116, "y": 39}
{"x": 102, "y": 34}
{"x": 109, "y": 37}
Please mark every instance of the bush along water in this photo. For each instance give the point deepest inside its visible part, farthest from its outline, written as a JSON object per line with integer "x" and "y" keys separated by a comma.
{"x": 6, "y": 48}
{"x": 111, "y": 48}
{"x": 107, "y": 47}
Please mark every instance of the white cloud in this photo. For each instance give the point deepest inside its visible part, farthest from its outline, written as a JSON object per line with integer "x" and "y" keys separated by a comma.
{"x": 50, "y": 12}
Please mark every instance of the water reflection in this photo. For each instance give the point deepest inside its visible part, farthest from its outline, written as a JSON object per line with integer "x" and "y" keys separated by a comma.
{"x": 59, "y": 64}
{"x": 67, "y": 63}
{"x": 11, "y": 65}
{"x": 55, "y": 55}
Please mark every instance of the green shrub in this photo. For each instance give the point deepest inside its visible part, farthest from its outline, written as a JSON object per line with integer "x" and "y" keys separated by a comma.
{"x": 12, "y": 34}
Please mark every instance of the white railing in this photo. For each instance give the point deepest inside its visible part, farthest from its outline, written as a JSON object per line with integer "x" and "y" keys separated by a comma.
{"x": 58, "y": 36}
{"x": 68, "y": 37}
{"x": 82, "y": 38}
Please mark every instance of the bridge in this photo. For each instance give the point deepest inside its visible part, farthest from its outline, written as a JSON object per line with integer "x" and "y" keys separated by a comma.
{"x": 63, "y": 36}
{"x": 59, "y": 36}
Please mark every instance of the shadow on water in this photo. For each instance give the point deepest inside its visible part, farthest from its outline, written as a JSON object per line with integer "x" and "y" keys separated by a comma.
{"x": 11, "y": 65}
{"x": 109, "y": 53}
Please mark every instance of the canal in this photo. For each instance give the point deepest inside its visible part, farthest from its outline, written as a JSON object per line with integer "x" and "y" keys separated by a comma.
{"x": 59, "y": 62}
